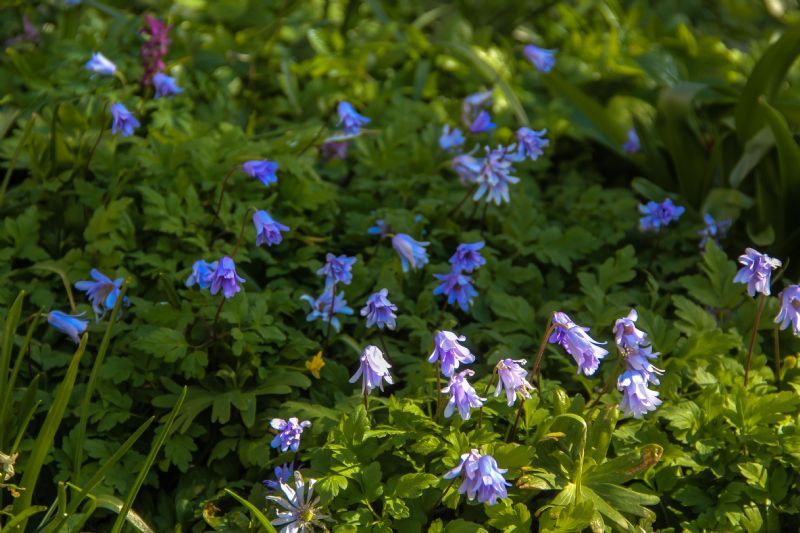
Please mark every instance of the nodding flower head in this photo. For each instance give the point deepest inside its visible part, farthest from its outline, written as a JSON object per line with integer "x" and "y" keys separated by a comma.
{"x": 473, "y": 105}
{"x": 225, "y": 278}
{"x": 462, "y": 395}
{"x": 531, "y": 143}
{"x": 165, "y": 85}
{"x": 712, "y": 230}
{"x": 337, "y": 269}
{"x": 467, "y": 167}
{"x": 513, "y": 378}
{"x": 482, "y": 123}
{"x": 468, "y": 257}
{"x": 412, "y": 253}
{"x": 102, "y": 292}
{"x": 100, "y": 64}
{"x": 350, "y": 119}
{"x": 450, "y": 138}
{"x": 373, "y": 369}
{"x": 756, "y": 271}
{"x": 495, "y": 176}
{"x": 71, "y": 325}
{"x": 122, "y": 120}
{"x": 637, "y": 399}
{"x": 586, "y": 351}
{"x": 264, "y": 171}
{"x": 321, "y": 307}
{"x": 481, "y": 477}
{"x": 289, "y": 432}
{"x": 543, "y": 59}
{"x": 457, "y": 287}
{"x": 201, "y": 274}
{"x": 448, "y": 350}
{"x": 627, "y": 336}
{"x": 632, "y": 143}
{"x": 790, "y": 309}
{"x": 380, "y": 311}
{"x": 268, "y": 231}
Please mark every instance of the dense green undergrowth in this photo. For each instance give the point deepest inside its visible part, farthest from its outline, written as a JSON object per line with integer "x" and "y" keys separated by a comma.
{"x": 168, "y": 400}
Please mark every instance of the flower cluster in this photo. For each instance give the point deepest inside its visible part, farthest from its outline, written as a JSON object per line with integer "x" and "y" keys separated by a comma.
{"x": 481, "y": 477}
{"x": 456, "y": 284}
{"x": 289, "y": 432}
{"x": 586, "y": 351}
{"x": 658, "y": 215}
{"x": 635, "y": 348}
{"x": 216, "y": 276}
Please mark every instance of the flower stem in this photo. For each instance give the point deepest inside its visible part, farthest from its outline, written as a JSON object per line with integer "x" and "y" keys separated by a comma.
{"x": 383, "y": 345}
{"x": 547, "y": 332}
{"x": 485, "y": 395}
{"x": 513, "y": 428}
{"x": 241, "y": 233}
{"x": 441, "y": 496}
{"x": 455, "y": 209}
{"x": 222, "y": 191}
{"x": 761, "y": 301}
{"x": 656, "y": 249}
{"x": 437, "y": 391}
{"x": 366, "y": 401}
{"x": 219, "y": 310}
{"x": 330, "y": 320}
{"x": 100, "y": 136}
{"x": 483, "y": 217}
{"x": 777, "y": 353}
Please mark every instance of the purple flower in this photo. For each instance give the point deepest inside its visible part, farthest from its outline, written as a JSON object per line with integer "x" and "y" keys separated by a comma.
{"x": 790, "y": 309}
{"x": 155, "y": 47}
{"x": 462, "y": 395}
{"x": 282, "y": 475}
{"x": 100, "y": 64}
{"x": 267, "y": 230}
{"x": 467, "y": 257}
{"x": 165, "y": 85}
{"x": 380, "y": 311}
{"x": 321, "y": 307}
{"x": 201, "y": 274}
{"x": 632, "y": 144}
{"x": 543, "y": 59}
{"x": 264, "y": 171}
{"x": 351, "y": 120}
{"x": 573, "y": 338}
{"x": 289, "y": 433}
{"x": 513, "y": 378}
{"x": 495, "y": 177}
{"x": 627, "y": 336}
{"x": 530, "y": 143}
{"x": 450, "y": 138}
{"x": 412, "y": 253}
{"x": 467, "y": 167}
{"x": 72, "y": 325}
{"x": 122, "y": 120}
{"x": 640, "y": 361}
{"x": 337, "y": 269}
{"x": 226, "y": 278}
{"x": 448, "y": 350}
{"x": 482, "y": 123}
{"x": 380, "y": 228}
{"x": 473, "y": 104}
{"x": 335, "y": 149}
{"x": 637, "y": 399}
{"x": 457, "y": 287}
{"x": 713, "y": 230}
{"x": 102, "y": 292}
{"x": 374, "y": 370}
{"x": 658, "y": 215}
{"x": 481, "y": 477}
{"x": 756, "y": 271}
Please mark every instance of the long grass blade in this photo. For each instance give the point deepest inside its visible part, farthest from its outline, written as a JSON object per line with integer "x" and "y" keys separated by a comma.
{"x": 263, "y": 520}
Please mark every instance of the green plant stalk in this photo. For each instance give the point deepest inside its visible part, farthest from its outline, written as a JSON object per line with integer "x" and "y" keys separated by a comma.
{"x": 24, "y": 425}
{"x": 7, "y": 178}
{"x": 92, "y": 383}
{"x": 486, "y": 395}
{"x": 44, "y": 441}
{"x": 762, "y": 299}
{"x": 777, "y": 354}
{"x": 262, "y": 520}
{"x": 148, "y": 463}
{"x": 7, "y": 398}
{"x": 578, "y": 476}
{"x": 9, "y": 330}
{"x": 330, "y": 319}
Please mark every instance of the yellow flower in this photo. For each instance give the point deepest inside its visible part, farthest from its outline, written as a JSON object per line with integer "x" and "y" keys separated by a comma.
{"x": 315, "y": 364}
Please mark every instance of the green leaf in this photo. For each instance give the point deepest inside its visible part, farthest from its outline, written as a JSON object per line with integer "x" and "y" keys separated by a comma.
{"x": 411, "y": 485}
{"x": 163, "y": 343}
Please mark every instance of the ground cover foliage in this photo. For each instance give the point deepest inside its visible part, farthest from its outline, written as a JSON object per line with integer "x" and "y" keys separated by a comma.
{"x": 159, "y": 418}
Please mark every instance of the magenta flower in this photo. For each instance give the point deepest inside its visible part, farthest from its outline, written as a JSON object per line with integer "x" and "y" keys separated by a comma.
{"x": 543, "y": 59}
{"x": 637, "y": 399}
{"x": 481, "y": 477}
{"x": 373, "y": 369}
{"x": 268, "y": 231}
{"x": 462, "y": 395}
{"x": 226, "y": 278}
{"x": 448, "y": 350}
{"x": 380, "y": 311}
{"x": 71, "y": 325}
{"x": 290, "y": 430}
{"x": 756, "y": 271}
{"x": 412, "y": 253}
{"x": 514, "y": 379}
{"x": 790, "y": 309}
{"x": 264, "y": 171}
{"x": 573, "y": 338}
{"x": 155, "y": 47}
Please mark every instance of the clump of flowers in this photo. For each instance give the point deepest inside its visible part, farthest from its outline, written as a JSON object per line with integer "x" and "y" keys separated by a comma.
{"x": 298, "y": 508}
{"x": 756, "y": 271}
{"x": 575, "y": 340}
{"x": 71, "y": 325}
{"x": 542, "y": 58}
{"x": 289, "y": 432}
{"x": 789, "y": 313}
{"x": 514, "y": 379}
{"x": 155, "y": 47}
{"x": 462, "y": 395}
{"x": 481, "y": 477}
{"x": 658, "y": 215}
{"x": 633, "y": 345}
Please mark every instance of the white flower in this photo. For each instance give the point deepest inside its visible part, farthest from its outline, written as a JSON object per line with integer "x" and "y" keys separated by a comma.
{"x": 299, "y": 512}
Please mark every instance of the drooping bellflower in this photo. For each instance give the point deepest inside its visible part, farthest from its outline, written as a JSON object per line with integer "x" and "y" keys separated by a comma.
{"x": 350, "y": 119}
{"x": 321, "y": 308}
{"x": 264, "y": 171}
{"x": 201, "y": 274}
{"x": 467, "y": 167}
{"x": 626, "y": 335}
{"x": 412, "y": 253}
{"x": 122, "y": 120}
{"x": 282, "y": 475}
{"x": 513, "y": 378}
{"x": 640, "y": 360}
{"x": 268, "y": 231}
{"x": 713, "y": 230}
{"x": 657, "y": 215}
{"x": 543, "y": 59}
{"x": 71, "y": 325}
{"x": 155, "y": 47}
{"x": 226, "y": 278}
{"x": 380, "y": 311}
{"x": 495, "y": 177}
{"x": 473, "y": 105}
{"x": 100, "y": 64}
{"x": 165, "y": 85}
{"x": 482, "y": 123}
{"x": 481, "y": 477}
{"x": 462, "y": 395}
{"x": 468, "y": 257}
{"x": 789, "y": 312}
{"x": 637, "y": 399}
{"x": 450, "y": 138}
{"x": 457, "y": 287}
{"x": 631, "y": 145}
{"x": 373, "y": 369}
{"x": 337, "y": 269}
{"x": 298, "y": 509}
{"x": 756, "y": 272}
{"x": 102, "y": 292}
{"x": 530, "y": 143}
{"x": 586, "y": 351}
{"x": 289, "y": 432}
{"x": 448, "y": 350}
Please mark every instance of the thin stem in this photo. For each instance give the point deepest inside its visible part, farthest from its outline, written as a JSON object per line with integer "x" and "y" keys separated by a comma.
{"x": 485, "y": 395}
{"x": 656, "y": 249}
{"x": 470, "y": 192}
{"x": 330, "y": 317}
{"x": 100, "y": 136}
{"x": 222, "y": 191}
{"x": 241, "y": 233}
{"x": 441, "y": 496}
{"x": 483, "y": 217}
{"x": 777, "y": 352}
{"x": 216, "y": 316}
{"x": 761, "y": 301}
{"x": 383, "y": 345}
{"x": 547, "y": 332}
{"x": 513, "y": 429}
{"x": 366, "y": 401}
{"x": 438, "y": 390}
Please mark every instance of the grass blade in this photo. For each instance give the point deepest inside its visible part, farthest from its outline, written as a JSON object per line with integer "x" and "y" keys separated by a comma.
{"x": 263, "y": 520}
{"x": 9, "y": 330}
{"x": 7, "y": 178}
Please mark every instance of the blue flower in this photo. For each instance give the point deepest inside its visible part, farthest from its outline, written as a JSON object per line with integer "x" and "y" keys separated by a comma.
{"x": 264, "y": 171}
{"x": 495, "y": 177}
{"x": 226, "y": 278}
{"x": 122, "y": 120}
{"x": 790, "y": 309}
{"x": 481, "y": 477}
{"x": 267, "y": 230}
{"x": 102, "y": 292}
{"x": 450, "y": 138}
{"x": 627, "y": 336}
{"x": 637, "y": 399}
{"x": 412, "y": 253}
{"x": 632, "y": 143}
{"x": 449, "y": 352}
{"x": 380, "y": 228}
{"x": 586, "y": 351}
{"x": 467, "y": 257}
{"x": 457, "y": 287}
{"x": 72, "y": 325}
{"x": 530, "y": 143}
{"x": 713, "y": 230}
{"x": 756, "y": 271}
{"x": 337, "y": 269}
{"x": 350, "y": 119}
{"x": 513, "y": 378}
{"x": 321, "y": 308}
{"x": 290, "y": 430}
{"x": 374, "y": 370}
{"x": 380, "y": 311}
{"x": 640, "y": 360}
{"x": 462, "y": 395}
{"x": 543, "y": 59}
{"x": 100, "y": 64}
{"x": 165, "y": 85}
{"x": 482, "y": 123}
{"x": 658, "y": 215}
{"x": 201, "y": 274}
{"x": 467, "y": 167}
{"x": 473, "y": 104}
{"x": 282, "y": 475}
